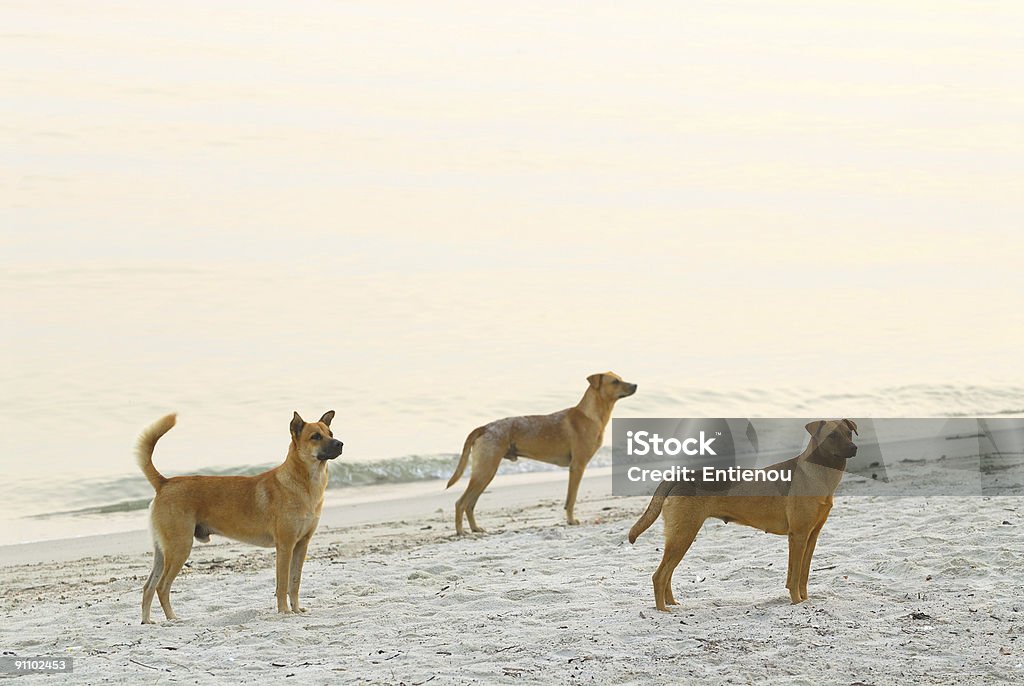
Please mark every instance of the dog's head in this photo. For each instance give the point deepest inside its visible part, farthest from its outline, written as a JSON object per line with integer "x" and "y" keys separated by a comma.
{"x": 314, "y": 440}
{"x": 611, "y": 386}
{"x": 834, "y": 437}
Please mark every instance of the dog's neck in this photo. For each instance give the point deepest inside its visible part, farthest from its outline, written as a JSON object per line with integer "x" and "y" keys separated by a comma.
{"x": 306, "y": 473}
{"x": 591, "y": 406}
{"x": 815, "y": 455}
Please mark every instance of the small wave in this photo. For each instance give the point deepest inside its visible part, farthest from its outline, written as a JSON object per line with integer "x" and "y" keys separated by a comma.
{"x": 123, "y": 506}
{"x": 131, "y": 493}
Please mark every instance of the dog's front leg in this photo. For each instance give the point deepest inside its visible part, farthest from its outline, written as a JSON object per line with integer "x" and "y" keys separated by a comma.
{"x": 285, "y": 548}
{"x": 797, "y": 545}
{"x": 575, "y": 476}
{"x": 805, "y": 570}
{"x": 298, "y": 559}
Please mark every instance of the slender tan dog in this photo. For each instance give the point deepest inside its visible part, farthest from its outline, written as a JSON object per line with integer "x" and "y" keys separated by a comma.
{"x": 568, "y": 438}
{"x": 279, "y": 508}
{"x": 799, "y": 512}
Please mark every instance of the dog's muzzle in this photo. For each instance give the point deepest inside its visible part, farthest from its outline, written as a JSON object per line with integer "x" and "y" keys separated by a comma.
{"x": 330, "y": 451}
{"x": 630, "y": 390}
{"x": 851, "y": 453}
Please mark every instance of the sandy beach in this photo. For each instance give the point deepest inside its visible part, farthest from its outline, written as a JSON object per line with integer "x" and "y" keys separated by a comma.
{"x": 903, "y": 590}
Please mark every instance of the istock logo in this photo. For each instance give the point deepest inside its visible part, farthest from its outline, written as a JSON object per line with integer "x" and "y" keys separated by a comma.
{"x": 640, "y": 443}
{"x": 892, "y": 456}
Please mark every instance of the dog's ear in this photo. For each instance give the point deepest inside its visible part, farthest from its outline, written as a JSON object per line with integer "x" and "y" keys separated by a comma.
{"x": 814, "y": 427}
{"x": 328, "y": 416}
{"x": 297, "y": 425}
{"x": 595, "y": 380}
{"x": 852, "y": 424}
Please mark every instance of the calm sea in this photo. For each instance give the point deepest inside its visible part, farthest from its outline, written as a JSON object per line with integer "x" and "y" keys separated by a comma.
{"x": 429, "y": 215}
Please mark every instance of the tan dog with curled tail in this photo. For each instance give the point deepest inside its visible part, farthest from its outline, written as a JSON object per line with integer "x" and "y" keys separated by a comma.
{"x": 279, "y": 508}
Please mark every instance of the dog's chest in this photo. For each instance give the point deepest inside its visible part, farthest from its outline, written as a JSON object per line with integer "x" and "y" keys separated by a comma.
{"x": 318, "y": 477}
{"x": 308, "y": 516}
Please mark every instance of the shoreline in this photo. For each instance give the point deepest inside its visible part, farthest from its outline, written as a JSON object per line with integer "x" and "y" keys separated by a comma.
{"x": 342, "y": 508}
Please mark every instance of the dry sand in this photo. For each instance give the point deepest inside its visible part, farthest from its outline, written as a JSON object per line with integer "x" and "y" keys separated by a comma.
{"x": 903, "y": 591}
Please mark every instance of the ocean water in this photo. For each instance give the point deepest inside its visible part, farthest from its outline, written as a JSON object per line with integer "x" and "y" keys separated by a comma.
{"x": 429, "y": 215}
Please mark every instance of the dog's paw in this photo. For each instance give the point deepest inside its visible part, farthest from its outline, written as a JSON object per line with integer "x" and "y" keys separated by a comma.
{"x": 573, "y": 522}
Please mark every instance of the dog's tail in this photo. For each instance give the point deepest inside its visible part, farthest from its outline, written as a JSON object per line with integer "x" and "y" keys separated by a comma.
{"x": 652, "y": 512}
{"x": 466, "y": 447}
{"x": 145, "y": 445}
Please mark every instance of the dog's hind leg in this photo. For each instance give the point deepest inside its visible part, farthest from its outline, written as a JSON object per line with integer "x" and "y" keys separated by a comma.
{"x": 680, "y": 531}
{"x": 460, "y": 512}
{"x": 471, "y": 510}
{"x": 176, "y": 551}
{"x": 805, "y": 570}
{"x": 486, "y": 460}
{"x": 150, "y": 588}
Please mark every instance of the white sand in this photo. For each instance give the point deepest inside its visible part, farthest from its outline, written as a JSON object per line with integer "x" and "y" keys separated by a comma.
{"x": 907, "y": 591}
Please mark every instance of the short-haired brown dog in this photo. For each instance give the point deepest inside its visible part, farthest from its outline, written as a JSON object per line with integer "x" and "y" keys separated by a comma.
{"x": 568, "y": 438}
{"x": 799, "y": 513}
{"x": 279, "y": 508}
